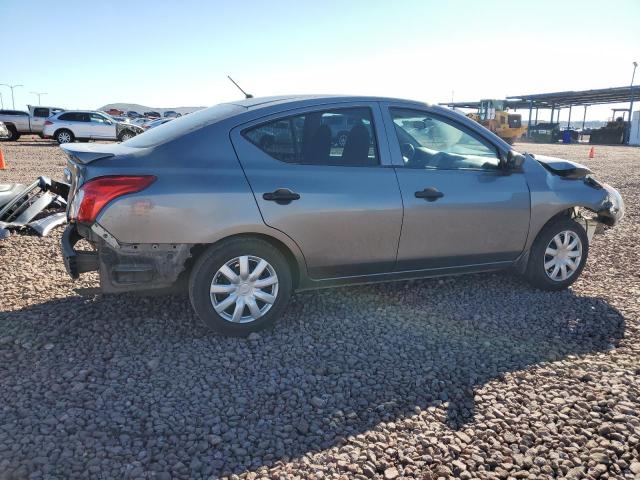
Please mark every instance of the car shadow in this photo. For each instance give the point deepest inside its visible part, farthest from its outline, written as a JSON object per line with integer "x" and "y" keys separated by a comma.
{"x": 339, "y": 363}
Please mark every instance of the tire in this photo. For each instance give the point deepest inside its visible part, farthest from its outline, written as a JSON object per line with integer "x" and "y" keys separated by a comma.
{"x": 126, "y": 135}
{"x": 13, "y": 134}
{"x": 207, "y": 270}
{"x": 64, "y": 136}
{"x": 536, "y": 273}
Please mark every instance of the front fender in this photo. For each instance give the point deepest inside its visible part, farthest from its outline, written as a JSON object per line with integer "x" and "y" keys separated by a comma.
{"x": 552, "y": 194}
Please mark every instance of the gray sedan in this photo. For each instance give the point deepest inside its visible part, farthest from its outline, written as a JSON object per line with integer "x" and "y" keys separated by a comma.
{"x": 251, "y": 200}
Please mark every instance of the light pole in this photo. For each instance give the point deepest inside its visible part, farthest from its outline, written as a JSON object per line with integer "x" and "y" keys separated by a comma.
{"x": 1, "y": 102}
{"x": 628, "y": 135}
{"x": 39, "y": 94}
{"x": 13, "y": 102}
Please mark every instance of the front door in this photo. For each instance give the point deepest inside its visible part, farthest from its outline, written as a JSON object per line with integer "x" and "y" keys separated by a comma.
{"x": 102, "y": 127}
{"x": 461, "y": 209}
{"x": 337, "y": 198}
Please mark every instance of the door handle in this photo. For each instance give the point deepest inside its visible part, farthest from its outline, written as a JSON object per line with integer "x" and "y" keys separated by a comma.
{"x": 281, "y": 196}
{"x": 430, "y": 194}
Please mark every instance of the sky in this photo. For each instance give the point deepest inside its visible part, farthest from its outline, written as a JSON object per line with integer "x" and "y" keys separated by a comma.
{"x": 170, "y": 54}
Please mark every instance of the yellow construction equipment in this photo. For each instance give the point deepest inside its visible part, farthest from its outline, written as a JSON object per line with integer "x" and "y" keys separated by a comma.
{"x": 493, "y": 114}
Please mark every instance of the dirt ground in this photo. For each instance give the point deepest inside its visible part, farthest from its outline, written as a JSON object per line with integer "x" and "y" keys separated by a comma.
{"x": 469, "y": 377}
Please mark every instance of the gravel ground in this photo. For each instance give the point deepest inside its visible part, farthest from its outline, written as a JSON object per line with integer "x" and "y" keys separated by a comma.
{"x": 471, "y": 377}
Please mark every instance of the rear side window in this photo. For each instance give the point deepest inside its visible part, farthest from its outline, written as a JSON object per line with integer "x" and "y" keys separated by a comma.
{"x": 41, "y": 112}
{"x": 74, "y": 117}
{"x": 344, "y": 137}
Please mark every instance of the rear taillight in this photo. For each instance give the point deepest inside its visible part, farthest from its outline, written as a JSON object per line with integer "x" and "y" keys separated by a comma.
{"x": 48, "y": 122}
{"x": 96, "y": 193}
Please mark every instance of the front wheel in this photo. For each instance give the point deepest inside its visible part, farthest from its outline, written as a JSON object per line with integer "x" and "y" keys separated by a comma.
{"x": 240, "y": 286}
{"x": 126, "y": 135}
{"x": 558, "y": 255}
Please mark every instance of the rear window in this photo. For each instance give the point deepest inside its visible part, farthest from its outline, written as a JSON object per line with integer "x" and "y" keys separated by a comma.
{"x": 183, "y": 125}
{"x": 41, "y": 112}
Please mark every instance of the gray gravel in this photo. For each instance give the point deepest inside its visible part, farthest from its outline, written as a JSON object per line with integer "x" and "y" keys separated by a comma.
{"x": 470, "y": 377}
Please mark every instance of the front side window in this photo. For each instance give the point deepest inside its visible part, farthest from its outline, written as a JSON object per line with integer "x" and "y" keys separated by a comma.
{"x": 429, "y": 142}
{"x": 343, "y": 137}
{"x": 98, "y": 118}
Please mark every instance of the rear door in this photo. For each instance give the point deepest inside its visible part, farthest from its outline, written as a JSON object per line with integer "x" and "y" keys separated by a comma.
{"x": 340, "y": 204}
{"x": 461, "y": 209}
{"x": 78, "y": 123}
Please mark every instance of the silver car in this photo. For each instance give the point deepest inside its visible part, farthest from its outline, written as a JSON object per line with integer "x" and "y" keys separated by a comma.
{"x": 84, "y": 125}
{"x": 250, "y": 201}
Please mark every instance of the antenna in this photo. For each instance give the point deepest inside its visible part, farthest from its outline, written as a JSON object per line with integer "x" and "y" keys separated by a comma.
{"x": 246, "y": 95}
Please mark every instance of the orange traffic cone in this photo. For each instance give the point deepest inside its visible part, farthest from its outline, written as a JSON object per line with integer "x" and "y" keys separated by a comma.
{"x": 2, "y": 164}
{"x": 592, "y": 152}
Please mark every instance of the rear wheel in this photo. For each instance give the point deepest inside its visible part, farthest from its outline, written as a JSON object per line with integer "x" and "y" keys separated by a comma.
{"x": 13, "y": 134}
{"x": 64, "y": 136}
{"x": 558, "y": 255}
{"x": 240, "y": 286}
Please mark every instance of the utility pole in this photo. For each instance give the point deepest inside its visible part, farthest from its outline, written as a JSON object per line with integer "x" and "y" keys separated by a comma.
{"x": 13, "y": 102}
{"x": 39, "y": 94}
{"x": 628, "y": 133}
{"x": 1, "y": 102}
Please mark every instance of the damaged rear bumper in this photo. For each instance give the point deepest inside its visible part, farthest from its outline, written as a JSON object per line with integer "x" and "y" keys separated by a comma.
{"x": 123, "y": 267}
{"x": 76, "y": 261}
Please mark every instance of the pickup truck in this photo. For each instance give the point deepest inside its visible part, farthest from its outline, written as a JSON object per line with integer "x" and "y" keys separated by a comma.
{"x": 32, "y": 122}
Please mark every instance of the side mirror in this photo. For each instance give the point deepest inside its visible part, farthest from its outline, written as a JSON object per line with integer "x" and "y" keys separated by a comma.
{"x": 513, "y": 162}
{"x": 109, "y": 122}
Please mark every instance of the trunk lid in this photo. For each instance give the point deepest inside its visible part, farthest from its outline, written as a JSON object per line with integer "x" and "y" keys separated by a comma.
{"x": 80, "y": 156}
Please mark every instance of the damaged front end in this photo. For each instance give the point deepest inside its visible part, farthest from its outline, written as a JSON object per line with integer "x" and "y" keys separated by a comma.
{"x": 608, "y": 206}
{"x": 122, "y": 267}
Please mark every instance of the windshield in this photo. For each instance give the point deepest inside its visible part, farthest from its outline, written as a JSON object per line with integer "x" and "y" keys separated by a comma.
{"x": 183, "y": 125}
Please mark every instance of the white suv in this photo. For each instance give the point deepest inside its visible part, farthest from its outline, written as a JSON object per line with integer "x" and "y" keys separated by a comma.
{"x": 84, "y": 125}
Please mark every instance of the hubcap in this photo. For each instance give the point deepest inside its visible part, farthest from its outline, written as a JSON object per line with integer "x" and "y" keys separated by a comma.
{"x": 64, "y": 137}
{"x": 563, "y": 256}
{"x": 244, "y": 289}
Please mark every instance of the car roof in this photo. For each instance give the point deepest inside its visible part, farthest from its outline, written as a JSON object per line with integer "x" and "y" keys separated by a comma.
{"x": 262, "y": 102}
{"x": 84, "y": 111}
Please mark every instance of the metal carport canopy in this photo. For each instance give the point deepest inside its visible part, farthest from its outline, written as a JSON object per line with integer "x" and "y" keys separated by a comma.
{"x": 575, "y": 98}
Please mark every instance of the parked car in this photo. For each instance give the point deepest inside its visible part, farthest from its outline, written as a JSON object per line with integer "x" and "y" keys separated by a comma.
{"x": 4, "y": 132}
{"x": 133, "y": 114}
{"x": 113, "y": 112}
{"x": 247, "y": 216}
{"x": 31, "y": 122}
{"x": 171, "y": 114}
{"x": 84, "y": 125}
{"x": 152, "y": 115}
{"x": 156, "y": 123}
